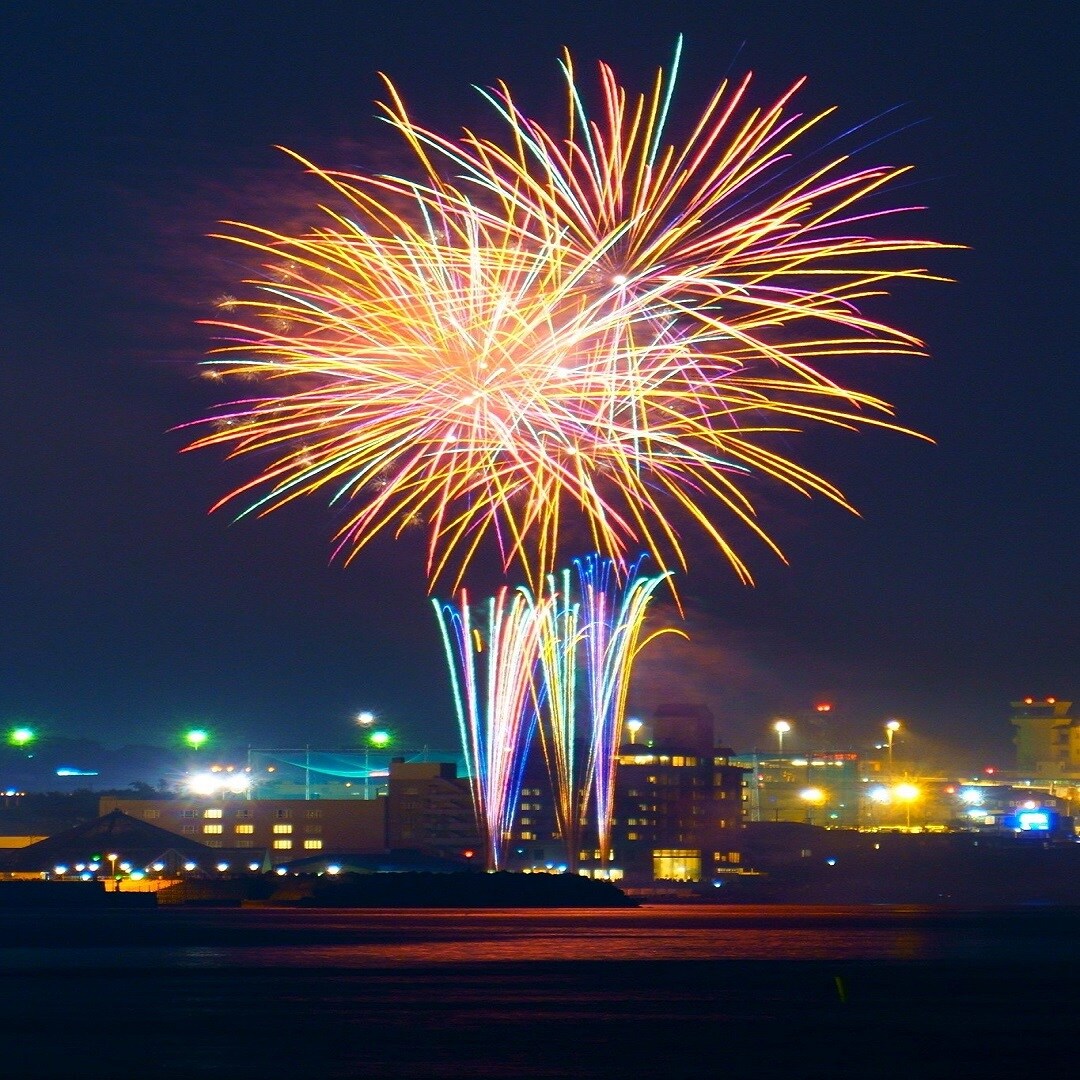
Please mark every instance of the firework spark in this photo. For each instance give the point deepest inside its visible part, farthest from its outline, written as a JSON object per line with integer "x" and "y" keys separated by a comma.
{"x": 595, "y": 324}
{"x": 491, "y": 672}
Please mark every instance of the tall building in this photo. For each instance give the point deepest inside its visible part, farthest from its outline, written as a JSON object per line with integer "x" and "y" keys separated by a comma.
{"x": 677, "y": 810}
{"x": 1047, "y": 737}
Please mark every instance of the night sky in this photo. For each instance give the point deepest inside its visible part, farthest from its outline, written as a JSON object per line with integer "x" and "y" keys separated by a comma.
{"x": 129, "y": 129}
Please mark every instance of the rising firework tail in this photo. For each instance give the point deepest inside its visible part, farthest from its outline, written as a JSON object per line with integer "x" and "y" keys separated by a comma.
{"x": 521, "y": 678}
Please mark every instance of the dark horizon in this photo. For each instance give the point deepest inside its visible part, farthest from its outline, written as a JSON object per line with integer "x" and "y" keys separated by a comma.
{"x": 131, "y": 613}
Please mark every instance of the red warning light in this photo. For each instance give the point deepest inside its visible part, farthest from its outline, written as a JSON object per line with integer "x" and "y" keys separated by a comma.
{"x": 823, "y": 707}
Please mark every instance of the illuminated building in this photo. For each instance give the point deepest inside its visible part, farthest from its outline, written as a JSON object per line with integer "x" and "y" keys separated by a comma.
{"x": 426, "y": 809}
{"x": 677, "y": 807}
{"x": 775, "y": 784}
{"x": 1047, "y": 737}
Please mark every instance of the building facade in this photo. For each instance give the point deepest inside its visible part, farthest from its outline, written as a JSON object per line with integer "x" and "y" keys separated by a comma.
{"x": 1047, "y": 737}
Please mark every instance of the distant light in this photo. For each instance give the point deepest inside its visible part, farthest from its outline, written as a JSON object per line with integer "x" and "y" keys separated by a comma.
{"x": 618, "y": 279}
{"x": 830, "y": 862}
{"x": 823, "y": 707}
{"x": 191, "y": 866}
{"x": 379, "y": 738}
{"x": 21, "y": 736}
{"x": 138, "y": 875}
{"x": 333, "y": 868}
{"x": 906, "y": 792}
{"x": 68, "y": 771}
{"x": 1051, "y": 701}
{"x": 253, "y": 866}
{"x": 281, "y": 871}
{"x": 157, "y": 867}
{"x": 222, "y": 866}
{"x": 61, "y": 870}
{"x": 879, "y": 794}
{"x": 971, "y": 796}
{"x": 126, "y": 867}
{"x": 1028, "y": 701}
{"x": 196, "y": 738}
{"x": 365, "y": 719}
{"x": 1033, "y": 821}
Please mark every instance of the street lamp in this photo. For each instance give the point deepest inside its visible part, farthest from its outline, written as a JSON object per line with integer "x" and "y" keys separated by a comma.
{"x": 379, "y": 739}
{"x": 906, "y": 794}
{"x": 891, "y": 728}
{"x": 196, "y": 738}
{"x": 634, "y": 725}
{"x": 812, "y": 796}
{"x": 112, "y": 857}
{"x": 21, "y": 736}
{"x": 781, "y": 727}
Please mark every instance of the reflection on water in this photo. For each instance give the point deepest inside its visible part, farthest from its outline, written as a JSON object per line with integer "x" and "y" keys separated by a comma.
{"x": 657, "y": 992}
{"x": 294, "y": 939}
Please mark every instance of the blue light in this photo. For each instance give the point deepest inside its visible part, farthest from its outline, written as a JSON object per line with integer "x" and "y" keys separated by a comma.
{"x": 1033, "y": 821}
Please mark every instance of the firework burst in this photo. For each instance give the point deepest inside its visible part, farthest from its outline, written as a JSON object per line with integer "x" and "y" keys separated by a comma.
{"x": 596, "y": 324}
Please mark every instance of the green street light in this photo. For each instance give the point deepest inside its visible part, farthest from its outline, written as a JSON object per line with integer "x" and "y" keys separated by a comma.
{"x": 196, "y": 738}
{"x": 380, "y": 739}
{"x": 21, "y": 736}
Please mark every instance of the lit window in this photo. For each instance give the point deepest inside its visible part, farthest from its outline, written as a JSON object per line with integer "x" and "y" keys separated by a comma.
{"x": 282, "y": 845}
{"x": 281, "y": 829}
{"x": 151, "y": 814}
{"x": 245, "y": 829}
{"x": 312, "y": 845}
{"x": 211, "y": 829}
{"x": 212, "y": 812}
{"x": 632, "y": 836}
{"x": 526, "y": 821}
{"x": 528, "y": 836}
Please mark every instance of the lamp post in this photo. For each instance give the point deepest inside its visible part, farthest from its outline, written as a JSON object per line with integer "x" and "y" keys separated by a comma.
{"x": 196, "y": 738}
{"x": 21, "y": 737}
{"x": 634, "y": 725}
{"x": 891, "y": 728}
{"x": 907, "y": 794}
{"x": 112, "y": 857}
{"x": 812, "y": 796}
{"x": 781, "y": 727}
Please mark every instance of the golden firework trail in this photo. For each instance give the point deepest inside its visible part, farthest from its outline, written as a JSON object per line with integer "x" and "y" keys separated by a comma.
{"x": 594, "y": 324}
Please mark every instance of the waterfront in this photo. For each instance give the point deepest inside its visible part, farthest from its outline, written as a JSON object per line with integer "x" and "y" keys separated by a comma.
{"x": 659, "y": 991}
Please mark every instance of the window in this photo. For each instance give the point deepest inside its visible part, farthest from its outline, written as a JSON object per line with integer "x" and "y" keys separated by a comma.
{"x": 212, "y": 812}
{"x": 282, "y": 845}
{"x": 243, "y": 813}
{"x": 211, "y": 829}
{"x": 313, "y": 830}
{"x": 189, "y": 813}
{"x": 312, "y": 845}
{"x": 281, "y": 829}
{"x": 187, "y": 828}
{"x": 528, "y": 836}
{"x": 281, "y": 814}
{"x": 676, "y": 864}
{"x": 151, "y": 814}
{"x": 246, "y": 829}
{"x": 526, "y": 821}
{"x": 314, "y": 813}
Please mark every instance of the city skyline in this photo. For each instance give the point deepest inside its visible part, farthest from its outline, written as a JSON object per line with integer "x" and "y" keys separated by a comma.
{"x": 137, "y": 613}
